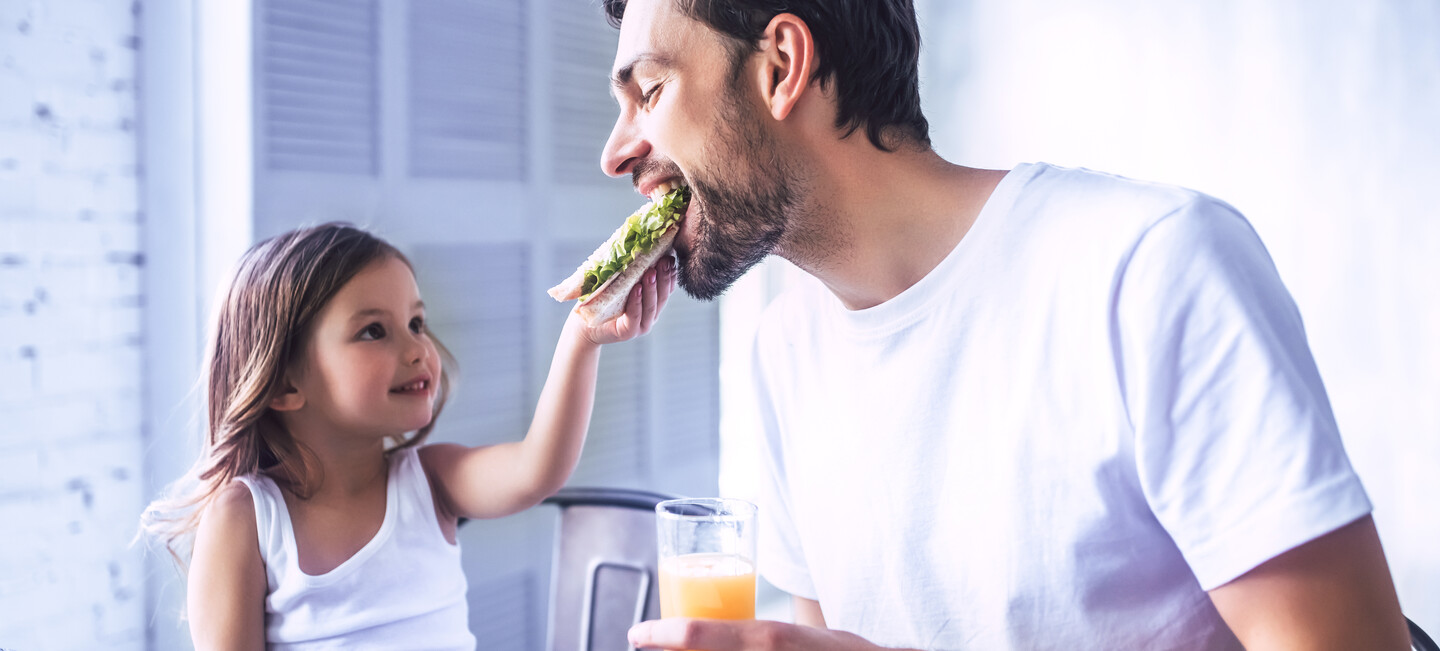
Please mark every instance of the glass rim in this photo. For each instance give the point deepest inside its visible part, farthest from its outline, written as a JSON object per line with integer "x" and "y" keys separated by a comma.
{"x": 735, "y": 509}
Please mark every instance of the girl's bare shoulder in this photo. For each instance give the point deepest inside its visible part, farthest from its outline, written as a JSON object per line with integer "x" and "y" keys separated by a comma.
{"x": 230, "y": 515}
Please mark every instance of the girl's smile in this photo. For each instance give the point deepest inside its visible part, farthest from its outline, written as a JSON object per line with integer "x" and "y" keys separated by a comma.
{"x": 369, "y": 365}
{"x": 419, "y": 386}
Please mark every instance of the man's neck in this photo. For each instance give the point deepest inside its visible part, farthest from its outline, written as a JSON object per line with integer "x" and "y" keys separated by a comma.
{"x": 882, "y": 220}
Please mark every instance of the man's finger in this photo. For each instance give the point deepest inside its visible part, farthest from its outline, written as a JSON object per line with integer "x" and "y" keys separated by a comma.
{"x": 685, "y": 633}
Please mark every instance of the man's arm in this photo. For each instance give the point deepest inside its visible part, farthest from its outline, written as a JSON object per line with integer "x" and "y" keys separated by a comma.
{"x": 751, "y": 635}
{"x": 1333, "y": 592}
{"x": 808, "y": 633}
{"x": 807, "y": 613}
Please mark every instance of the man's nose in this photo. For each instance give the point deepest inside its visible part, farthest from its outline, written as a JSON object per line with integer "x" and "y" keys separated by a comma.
{"x": 625, "y": 147}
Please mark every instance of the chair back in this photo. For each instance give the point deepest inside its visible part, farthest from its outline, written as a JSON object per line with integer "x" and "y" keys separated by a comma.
{"x": 1418, "y": 639}
{"x": 603, "y": 576}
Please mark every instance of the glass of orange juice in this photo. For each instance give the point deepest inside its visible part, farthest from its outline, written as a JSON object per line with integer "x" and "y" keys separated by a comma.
{"x": 707, "y": 558}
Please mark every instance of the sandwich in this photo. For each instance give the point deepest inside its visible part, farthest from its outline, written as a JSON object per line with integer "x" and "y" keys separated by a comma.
{"x": 603, "y": 282}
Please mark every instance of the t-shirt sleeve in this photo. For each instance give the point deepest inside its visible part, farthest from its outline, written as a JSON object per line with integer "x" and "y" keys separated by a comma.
{"x": 1237, "y": 449}
{"x": 782, "y": 561}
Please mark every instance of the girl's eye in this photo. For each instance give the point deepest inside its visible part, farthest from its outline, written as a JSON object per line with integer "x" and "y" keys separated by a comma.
{"x": 373, "y": 331}
{"x": 417, "y": 325}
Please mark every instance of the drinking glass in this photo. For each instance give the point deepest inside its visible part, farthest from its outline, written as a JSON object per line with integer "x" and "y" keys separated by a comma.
{"x": 707, "y": 558}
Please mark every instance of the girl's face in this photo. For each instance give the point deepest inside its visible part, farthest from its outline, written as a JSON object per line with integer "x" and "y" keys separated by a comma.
{"x": 369, "y": 365}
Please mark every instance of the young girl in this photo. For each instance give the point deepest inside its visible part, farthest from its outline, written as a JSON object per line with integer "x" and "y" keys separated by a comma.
{"x": 315, "y": 517}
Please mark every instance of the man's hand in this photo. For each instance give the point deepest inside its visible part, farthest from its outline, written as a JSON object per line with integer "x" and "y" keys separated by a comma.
{"x": 746, "y": 635}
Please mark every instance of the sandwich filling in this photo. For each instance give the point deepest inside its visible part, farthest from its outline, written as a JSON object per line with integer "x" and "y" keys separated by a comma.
{"x": 640, "y": 232}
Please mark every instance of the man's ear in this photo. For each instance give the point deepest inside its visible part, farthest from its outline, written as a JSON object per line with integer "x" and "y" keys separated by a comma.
{"x": 787, "y": 63}
{"x": 289, "y": 400}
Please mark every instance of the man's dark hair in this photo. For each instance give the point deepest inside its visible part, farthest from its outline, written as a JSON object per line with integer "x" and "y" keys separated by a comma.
{"x": 870, "y": 50}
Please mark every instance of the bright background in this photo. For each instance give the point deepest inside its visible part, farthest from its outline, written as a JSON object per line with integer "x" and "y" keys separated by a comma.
{"x": 140, "y": 152}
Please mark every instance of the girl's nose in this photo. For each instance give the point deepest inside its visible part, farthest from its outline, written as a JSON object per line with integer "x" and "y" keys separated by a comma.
{"x": 416, "y": 351}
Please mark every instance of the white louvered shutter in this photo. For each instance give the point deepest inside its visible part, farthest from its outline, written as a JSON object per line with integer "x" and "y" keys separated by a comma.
{"x": 583, "y": 111}
{"x": 467, "y": 89}
{"x": 486, "y": 326}
{"x": 319, "y": 91}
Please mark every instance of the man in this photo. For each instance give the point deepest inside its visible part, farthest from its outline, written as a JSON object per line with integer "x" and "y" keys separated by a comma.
{"x": 1035, "y": 409}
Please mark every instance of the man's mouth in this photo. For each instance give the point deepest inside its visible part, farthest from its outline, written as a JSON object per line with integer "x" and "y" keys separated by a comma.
{"x": 659, "y": 190}
{"x": 664, "y": 187}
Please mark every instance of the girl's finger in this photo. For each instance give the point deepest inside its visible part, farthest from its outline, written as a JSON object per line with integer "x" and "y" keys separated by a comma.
{"x": 634, "y": 310}
{"x": 647, "y": 316}
{"x": 663, "y": 286}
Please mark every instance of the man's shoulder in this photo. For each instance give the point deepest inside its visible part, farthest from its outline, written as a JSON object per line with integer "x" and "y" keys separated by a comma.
{"x": 1073, "y": 202}
{"x": 1063, "y": 181}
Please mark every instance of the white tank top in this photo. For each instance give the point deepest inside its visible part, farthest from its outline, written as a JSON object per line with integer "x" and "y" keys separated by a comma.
{"x": 403, "y": 590}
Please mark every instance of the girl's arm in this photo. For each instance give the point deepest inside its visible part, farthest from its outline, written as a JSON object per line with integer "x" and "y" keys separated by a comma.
{"x": 226, "y": 591}
{"x": 496, "y": 480}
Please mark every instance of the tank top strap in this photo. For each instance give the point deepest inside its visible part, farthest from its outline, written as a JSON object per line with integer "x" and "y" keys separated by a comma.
{"x": 417, "y": 502}
{"x": 271, "y": 519}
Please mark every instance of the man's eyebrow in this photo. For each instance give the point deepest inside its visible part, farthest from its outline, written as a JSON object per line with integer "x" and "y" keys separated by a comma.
{"x": 622, "y": 75}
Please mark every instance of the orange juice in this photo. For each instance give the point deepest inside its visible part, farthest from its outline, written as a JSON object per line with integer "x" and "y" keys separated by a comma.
{"x": 714, "y": 586}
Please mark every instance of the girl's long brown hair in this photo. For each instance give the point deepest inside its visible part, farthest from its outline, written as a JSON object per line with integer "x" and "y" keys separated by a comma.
{"x": 280, "y": 285}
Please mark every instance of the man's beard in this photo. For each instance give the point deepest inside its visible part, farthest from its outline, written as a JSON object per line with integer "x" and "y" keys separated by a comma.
{"x": 746, "y": 208}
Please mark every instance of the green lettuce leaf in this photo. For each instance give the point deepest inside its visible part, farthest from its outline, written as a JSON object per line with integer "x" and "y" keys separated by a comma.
{"x": 642, "y": 230}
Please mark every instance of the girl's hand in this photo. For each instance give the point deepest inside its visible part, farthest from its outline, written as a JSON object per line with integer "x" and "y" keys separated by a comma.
{"x": 490, "y": 481}
{"x": 644, "y": 304}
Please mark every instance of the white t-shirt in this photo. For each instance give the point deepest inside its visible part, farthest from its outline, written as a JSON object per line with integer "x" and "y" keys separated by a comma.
{"x": 1098, "y": 406}
{"x": 403, "y": 590}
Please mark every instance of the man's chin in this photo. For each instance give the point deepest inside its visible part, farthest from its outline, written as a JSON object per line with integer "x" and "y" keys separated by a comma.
{"x": 696, "y": 282}
{"x": 690, "y": 276}
{"x": 706, "y": 293}
{"x": 704, "y": 283}
{"x": 709, "y": 262}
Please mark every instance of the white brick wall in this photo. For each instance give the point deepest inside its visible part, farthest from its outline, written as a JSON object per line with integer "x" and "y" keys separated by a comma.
{"x": 70, "y": 326}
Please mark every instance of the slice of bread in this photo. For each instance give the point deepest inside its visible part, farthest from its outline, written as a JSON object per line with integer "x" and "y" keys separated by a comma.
{"x": 570, "y": 288}
{"x": 608, "y": 301}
